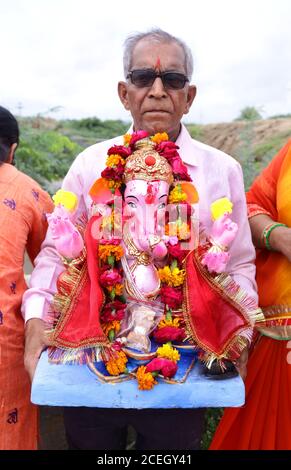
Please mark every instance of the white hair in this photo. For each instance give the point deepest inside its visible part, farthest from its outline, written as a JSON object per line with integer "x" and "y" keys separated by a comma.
{"x": 159, "y": 36}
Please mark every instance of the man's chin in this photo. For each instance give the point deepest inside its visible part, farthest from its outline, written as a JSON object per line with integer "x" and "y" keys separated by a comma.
{"x": 153, "y": 126}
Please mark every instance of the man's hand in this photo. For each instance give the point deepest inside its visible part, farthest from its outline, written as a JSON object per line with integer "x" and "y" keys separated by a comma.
{"x": 241, "y": 363}
{"x": 35, "y": 343}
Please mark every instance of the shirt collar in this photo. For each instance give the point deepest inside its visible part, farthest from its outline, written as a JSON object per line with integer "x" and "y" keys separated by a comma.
{"x": 186, "y": 148}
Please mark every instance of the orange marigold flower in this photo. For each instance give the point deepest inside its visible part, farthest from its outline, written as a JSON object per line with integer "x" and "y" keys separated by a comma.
{"x": 112, "y": 325}
{"x": 118, "y": 289}
{"x": 117, "y": 364}
{"x": 170, "y": 322}
{"x": 126, "y": 139}
{"x": 110, "y": 250}
{"x": 160, "y": 137}
{"x": 146, "y": 381}
{"x": 114, "y": 160}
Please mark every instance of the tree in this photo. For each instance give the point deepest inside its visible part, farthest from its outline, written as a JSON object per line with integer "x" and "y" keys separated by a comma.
{"x": 249, "y": 113}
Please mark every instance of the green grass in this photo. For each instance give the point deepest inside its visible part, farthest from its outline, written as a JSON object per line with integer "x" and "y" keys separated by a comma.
{"x": 212, "y": 418}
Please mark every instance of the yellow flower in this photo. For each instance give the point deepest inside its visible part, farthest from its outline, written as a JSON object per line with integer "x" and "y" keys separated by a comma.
{"x": 174, "y": 278}
{"x": 220, "y": 207}
{"x": 160, "y": 137}
{"x": 126, "y": 139}
{"x": 117, "y": 364}
{"x": 146, "y": 381}
{"x": 177, "y": 195}
{"x": 114, "y": 159}
{"x": 118, "y": 288}
{"x": 110, "y": 250}
{"x": 112, "y": 325}
{"x": 114, "y": 184}
{"x": 168, "y": 352}
{"x": 174, "y": 229}
{"x": 67, "y": 199}
{"x": 169, "y": 322}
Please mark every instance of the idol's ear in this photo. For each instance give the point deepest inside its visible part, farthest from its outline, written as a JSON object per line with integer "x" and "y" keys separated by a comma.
{"x": 191, "y": 93}
{"x": 123, "y": 94}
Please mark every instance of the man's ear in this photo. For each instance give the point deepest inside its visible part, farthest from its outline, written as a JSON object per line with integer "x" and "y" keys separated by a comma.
{"x": 192, "y": 90}
{"x": 11, "y": 153}
{"x": 123, "y": 95}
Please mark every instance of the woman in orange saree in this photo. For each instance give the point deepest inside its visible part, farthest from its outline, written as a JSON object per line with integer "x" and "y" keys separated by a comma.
{"x": 22, "y": 227}
{"x": 264, "y": 422}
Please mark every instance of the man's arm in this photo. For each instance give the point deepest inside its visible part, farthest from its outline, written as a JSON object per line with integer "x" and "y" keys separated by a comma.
{"x": 241, "y": 265}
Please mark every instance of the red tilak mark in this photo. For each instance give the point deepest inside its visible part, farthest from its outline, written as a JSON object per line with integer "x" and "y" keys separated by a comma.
{"x": 151, "y": 194}
{"x": 158, "y": 64}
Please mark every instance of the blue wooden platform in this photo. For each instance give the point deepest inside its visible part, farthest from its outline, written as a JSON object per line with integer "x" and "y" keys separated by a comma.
{"x": 76, "y": 385}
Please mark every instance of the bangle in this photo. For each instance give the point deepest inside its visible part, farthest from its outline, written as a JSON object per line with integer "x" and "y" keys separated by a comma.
{"x": 267, "y": 232}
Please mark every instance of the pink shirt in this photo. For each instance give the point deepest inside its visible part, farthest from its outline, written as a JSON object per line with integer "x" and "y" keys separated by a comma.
{"x": 215, "y": 175}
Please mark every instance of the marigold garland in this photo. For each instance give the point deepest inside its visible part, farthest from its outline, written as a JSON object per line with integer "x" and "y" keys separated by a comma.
{"x": 110, "y": 254}
{"x": 172, "y": 277}
{"x": 168, "y": 352}
{"x": 114, "y": 160}
{"x": 117, "y": 364}
{"x": 110, "y": 250}
{"x": 177, "y": 196}
{"x": 169, "y": 322}
{"x": 111, "y": 326}
{"x": 145, "y": 379}
{"x": 160, "y": 137}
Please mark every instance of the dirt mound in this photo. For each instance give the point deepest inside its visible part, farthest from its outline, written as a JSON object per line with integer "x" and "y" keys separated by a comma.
{"x": 231, "y": 136}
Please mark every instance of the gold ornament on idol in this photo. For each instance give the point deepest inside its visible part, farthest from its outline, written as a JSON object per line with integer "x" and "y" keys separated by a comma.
{"x": 147, "y": 164}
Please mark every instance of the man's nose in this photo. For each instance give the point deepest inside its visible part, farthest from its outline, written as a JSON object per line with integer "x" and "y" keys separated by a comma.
{"x": 157, "y": 89}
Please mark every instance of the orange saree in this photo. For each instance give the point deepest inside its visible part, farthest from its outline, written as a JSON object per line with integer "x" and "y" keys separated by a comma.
{"x": 264, "y": 422}
{"x": 22, "y": 227}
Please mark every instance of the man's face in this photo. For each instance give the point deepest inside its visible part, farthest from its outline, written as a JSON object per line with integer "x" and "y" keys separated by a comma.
{"x": 157, "y": 108}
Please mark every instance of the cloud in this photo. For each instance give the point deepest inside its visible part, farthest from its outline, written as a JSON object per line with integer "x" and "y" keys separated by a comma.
{"x": 69, "y": 53}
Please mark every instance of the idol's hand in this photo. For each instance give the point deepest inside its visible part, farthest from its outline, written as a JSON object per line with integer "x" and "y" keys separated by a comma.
{"x": 68, "y": 240}
{"x": 223, "y": 231}
{"x": 215, "y": 261}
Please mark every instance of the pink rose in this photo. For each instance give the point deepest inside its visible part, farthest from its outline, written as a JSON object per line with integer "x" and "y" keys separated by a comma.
{"x": 179, "y": 169}
{"x": 176, "y": 252}
{"x": 113, "y": 311}
{"x": 111, "y": 241}
{"x": 167, "y": 368}
{"x": 113, "y": 173}
{"x": 168, "y": 150}
{"x": 110, "y": 278}
{"x": 136, "y": 136}
{"x": 124, "y": 152}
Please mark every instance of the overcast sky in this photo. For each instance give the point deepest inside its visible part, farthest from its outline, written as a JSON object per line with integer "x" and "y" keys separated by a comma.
{"x": 69, "y": 53}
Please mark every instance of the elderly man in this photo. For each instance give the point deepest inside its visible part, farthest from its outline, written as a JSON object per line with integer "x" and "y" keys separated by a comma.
{"x": 157, "y": 92}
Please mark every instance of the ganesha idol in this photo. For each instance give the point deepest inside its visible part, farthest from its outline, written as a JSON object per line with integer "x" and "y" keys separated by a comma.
{"x": 142, "y": 295}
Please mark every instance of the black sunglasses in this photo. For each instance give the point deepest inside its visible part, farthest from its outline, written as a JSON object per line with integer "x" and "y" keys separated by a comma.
{"x": 145, "y": 78}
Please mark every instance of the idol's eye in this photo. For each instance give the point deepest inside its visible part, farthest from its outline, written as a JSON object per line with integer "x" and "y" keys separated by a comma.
{"x": 162, "y": 205}
{"x": 131, "y": 204}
